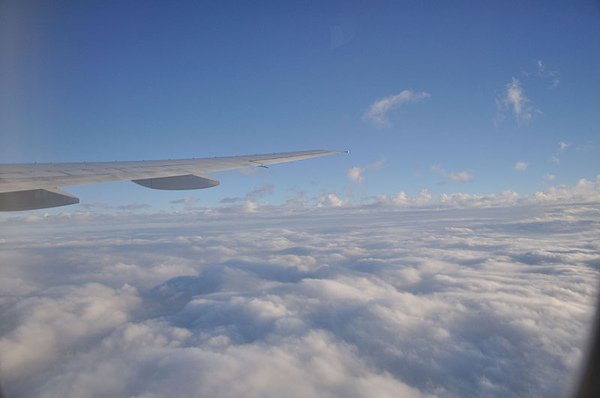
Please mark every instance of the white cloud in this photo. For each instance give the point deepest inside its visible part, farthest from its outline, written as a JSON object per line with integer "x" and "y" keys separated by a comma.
{"x": 376, "y": 165}
{"x": 515, "y": 100}
{"x": 357, "y": 301}
{"x": 302, "y": 204}
{"x": 260, "y": 192}
{"x": 52, "y": 326}
{"x": 331, "y": 200}
{"x": 250, "y": 206}
{"x": 463, "y": 200}
{"x": 520, "y": 166}
{"x": 540, "y": 65}
{"x": 584, "y": 191}
{"x": 189, "y": 203}
{"x": 401, "y": 199}
{"x": 398, "y": 199}
{"x": 562, "y": 147}
{"x": 455, "y": 200}
{"x": 356, "y": 174}
{"x": 424, "y": 198}
{"x": 377, "y": 112}
{"x": 460, "y": 176}
{"x": 553, "y": 76}
{"x": 252, "y": 196}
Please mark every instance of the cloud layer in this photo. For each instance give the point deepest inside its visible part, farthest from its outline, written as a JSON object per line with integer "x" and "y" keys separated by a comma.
{"x": 355, "y": 301}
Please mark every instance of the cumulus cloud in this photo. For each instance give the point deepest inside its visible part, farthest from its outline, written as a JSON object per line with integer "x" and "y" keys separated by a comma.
{"x": 377, "y": 112}
{"x": 51, "y": 326}
{"x": 357, "y": 174}
{"x": 563, "y": 145}
{"x": 330, "y": 200}
{"x": 584, "y": 191}
{"x": 454, "y": 200}
{"x": 402, "y": 199}
{"x": 352, "y": 302}
{"x": 514, "y": 100}
{"x": 520, "y": 166}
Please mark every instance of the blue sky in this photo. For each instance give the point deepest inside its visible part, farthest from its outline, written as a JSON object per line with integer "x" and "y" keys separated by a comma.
{"x": 485, "y": 86}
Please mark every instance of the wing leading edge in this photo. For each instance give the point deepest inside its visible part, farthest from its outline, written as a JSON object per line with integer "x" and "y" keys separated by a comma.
{"x": 36, "y": 186}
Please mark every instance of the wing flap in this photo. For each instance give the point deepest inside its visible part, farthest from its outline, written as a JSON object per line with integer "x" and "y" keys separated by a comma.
{"x": 182, "y": 182}
{"x": 35, "y": 199}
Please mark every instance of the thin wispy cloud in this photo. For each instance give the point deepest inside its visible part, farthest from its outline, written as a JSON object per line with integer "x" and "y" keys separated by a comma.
{"x": 514, "y": 100}
{"x": 357, "y": 173}
{"x": 520, "y": 166}
{"x": 459, "y": 176}
{"x": 253, "y": 195}
{"x": 563, "y": 145}
{"x": 261, "y": 191}
{"x": 378, "y": 111}
{"x": 553, "y": 76}
{"x": 126, "y": 208}
{"x": 188, "y": 203}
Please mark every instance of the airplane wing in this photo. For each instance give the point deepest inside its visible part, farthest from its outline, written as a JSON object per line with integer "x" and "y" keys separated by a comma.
{"x": 37, "y": 185}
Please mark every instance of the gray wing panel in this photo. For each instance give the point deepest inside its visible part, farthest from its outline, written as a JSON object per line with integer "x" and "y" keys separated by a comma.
{"x": 35, "y": 199}
{"x": 178, "y": 182}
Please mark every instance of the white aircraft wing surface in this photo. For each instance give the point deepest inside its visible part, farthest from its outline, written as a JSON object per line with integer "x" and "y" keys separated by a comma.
{"x": 36, "y": 185}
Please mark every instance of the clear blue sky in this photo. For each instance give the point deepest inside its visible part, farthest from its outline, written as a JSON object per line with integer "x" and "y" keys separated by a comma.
{"x": 500, "y": 83}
